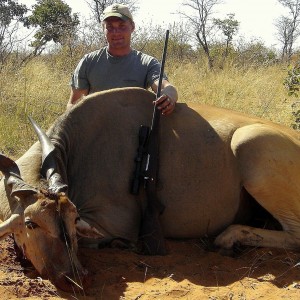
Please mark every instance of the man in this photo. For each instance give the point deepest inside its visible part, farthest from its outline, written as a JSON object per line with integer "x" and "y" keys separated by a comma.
{"x": 118, "y": 65}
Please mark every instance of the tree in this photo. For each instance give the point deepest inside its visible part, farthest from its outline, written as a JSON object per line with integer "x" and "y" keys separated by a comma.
{"x": 229, "y": 28}
{"x": 54, "y": 21}
{"x": 97, "y": 6}
{"x": 199, "y": 14}
{"x": 11, "y": 14}
{"x": 288, "y": 27}
{"x": 254, "y": 53}
{"x": 150, "y": 39}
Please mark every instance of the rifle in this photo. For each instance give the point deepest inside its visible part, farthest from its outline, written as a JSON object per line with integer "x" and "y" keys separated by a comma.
{"x": 151, "y": 232}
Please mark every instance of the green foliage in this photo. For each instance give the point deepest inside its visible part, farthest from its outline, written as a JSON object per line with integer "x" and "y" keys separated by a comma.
{"x": 254, "y": 53}
{"x": 10, "y": 10}
{"x": 228, "y": 26}
{"x": 292, "y": 84}
{"x": 296, "y": 116}
{"x": 292, "y": 81}
{"x": 54, "y": 21}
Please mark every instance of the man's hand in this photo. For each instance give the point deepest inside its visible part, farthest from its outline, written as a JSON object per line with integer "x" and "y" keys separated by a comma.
{"x": 165, "y": 104}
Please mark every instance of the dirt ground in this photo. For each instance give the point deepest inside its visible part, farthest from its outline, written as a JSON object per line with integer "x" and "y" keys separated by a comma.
{"x": 187, "y": 272}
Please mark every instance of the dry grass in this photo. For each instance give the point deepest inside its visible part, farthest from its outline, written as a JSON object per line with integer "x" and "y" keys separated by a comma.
{"x": 40, "y": 89}
{"x": 257, "y": 91}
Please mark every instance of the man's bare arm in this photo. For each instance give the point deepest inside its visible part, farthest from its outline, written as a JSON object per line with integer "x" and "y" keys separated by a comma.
{"x": 76, "y": 95}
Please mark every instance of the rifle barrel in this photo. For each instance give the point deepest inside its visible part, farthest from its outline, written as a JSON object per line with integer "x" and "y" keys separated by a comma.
{"x": 161, "y": 75}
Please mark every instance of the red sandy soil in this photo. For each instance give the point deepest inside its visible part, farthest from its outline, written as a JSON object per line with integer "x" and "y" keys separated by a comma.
{"x": 187, "y": 272}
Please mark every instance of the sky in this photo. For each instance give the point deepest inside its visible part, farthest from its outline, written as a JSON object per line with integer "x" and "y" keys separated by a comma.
{"x": 256, "y": 17}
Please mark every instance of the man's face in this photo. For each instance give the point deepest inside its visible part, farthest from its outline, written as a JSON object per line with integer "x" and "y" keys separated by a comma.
{"x": 118, "y": 32}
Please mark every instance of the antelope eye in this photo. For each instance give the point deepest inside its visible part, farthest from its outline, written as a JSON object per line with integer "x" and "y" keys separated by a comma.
{"x": 30, "y": 225}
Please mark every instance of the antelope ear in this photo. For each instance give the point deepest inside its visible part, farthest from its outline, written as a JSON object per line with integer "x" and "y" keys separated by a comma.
{"x": 19, "y": 188}
{"x": 10, "y": 225}
{"x": 21, "y": 194}
{"x": 8, "y": 166}
{"x": 84, "y": 229}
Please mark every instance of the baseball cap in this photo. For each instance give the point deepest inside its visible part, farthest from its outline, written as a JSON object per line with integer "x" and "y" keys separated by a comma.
{"x": 117, "y": 10}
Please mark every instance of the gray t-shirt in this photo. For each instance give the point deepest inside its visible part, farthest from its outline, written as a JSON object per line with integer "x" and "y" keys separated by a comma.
{"x": 99, "y": 71}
